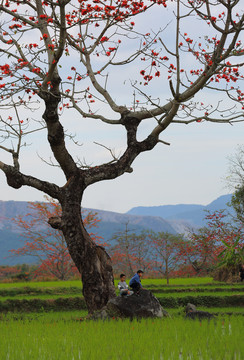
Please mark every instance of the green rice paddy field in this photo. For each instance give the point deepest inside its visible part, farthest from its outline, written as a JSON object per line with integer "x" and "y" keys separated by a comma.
{"x": 46, "y": 321}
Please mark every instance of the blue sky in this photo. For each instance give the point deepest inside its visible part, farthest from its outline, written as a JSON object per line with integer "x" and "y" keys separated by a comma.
{"x": 191, "y": 170}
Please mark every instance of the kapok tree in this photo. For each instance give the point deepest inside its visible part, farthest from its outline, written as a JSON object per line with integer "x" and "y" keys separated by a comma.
{"x": 59, "y": 55}
{"x": 122, "y": 252}
{"x": 200, "y": 250}
{"x": 229, "y": 237}
{"x": 46, "y": 244}
{"x": 219, "y": 244}
{"x": 165, "y": 252}
{"x": 235, "y": 180}
{"x": 131, "y": 252}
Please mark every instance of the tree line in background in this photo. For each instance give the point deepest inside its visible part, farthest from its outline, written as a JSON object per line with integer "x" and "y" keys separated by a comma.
{"x": 216, "y": 248}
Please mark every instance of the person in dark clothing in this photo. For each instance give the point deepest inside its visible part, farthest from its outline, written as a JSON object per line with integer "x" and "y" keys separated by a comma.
{"x": 135, "y": 281}
{"x": 241, "y": 272}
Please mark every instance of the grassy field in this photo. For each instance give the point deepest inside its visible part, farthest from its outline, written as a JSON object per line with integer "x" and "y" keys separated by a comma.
{"x": 62, "y": 295}
{"x": 42, "y": 284}
{"x": 167, "y": 339}
{"x": 66, "y": 335}
{"x": 77, "y": 283}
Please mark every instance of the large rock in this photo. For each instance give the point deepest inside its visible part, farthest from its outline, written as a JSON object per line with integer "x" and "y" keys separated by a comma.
{"x": 193, "y": 313}
{"x": 142, "y": 305}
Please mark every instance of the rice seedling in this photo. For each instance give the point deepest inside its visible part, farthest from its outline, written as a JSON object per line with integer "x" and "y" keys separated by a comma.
{"x": 63, "y": 335}
{"x": 177, "y": 338}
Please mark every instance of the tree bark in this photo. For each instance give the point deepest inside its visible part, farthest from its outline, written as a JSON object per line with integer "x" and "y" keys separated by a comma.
{"x": 167, "y": 271}
{"x": 92, "y": 261}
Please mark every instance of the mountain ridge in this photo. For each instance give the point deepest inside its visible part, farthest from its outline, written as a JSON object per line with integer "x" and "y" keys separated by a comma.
{"x": 192, "y": 213}
{"x": 110, "y": 223}
{"x": 177, "y": 218}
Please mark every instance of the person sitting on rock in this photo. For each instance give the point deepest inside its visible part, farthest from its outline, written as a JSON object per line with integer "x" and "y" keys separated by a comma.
{"x": 135, "y": 282}
{"x": 123, "y": 287}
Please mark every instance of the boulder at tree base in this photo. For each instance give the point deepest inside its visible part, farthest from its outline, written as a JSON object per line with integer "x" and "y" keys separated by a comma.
{"x": 142, "y": 305}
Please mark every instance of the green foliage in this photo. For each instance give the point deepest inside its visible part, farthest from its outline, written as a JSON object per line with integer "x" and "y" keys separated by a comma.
{"x": 237, "y": 202}
{"x": 233, "y": 254}
{"x": 227, "y": 241}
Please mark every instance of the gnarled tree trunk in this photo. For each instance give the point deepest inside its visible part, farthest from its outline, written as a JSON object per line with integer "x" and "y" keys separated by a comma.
{"x": 91, "y": 260}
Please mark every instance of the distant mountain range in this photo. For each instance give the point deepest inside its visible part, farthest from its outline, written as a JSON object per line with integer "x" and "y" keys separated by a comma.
{"x": 167, "y": 218}
{"x": 194, "y": 215}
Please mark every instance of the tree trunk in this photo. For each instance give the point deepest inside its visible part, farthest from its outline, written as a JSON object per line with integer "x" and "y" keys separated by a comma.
{"x": 167, "y": 272}
{"x": 92, "y": 261}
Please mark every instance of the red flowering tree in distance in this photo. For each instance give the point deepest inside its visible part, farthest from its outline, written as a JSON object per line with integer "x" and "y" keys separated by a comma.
{"x": 166, "y": 252}
{"x": 47, "y": 244}
{"x": 200, "y": 250}
{"x": 217, "y": 246}
{"x": 36, "y": 39}
{"x": 131, "y": 252}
